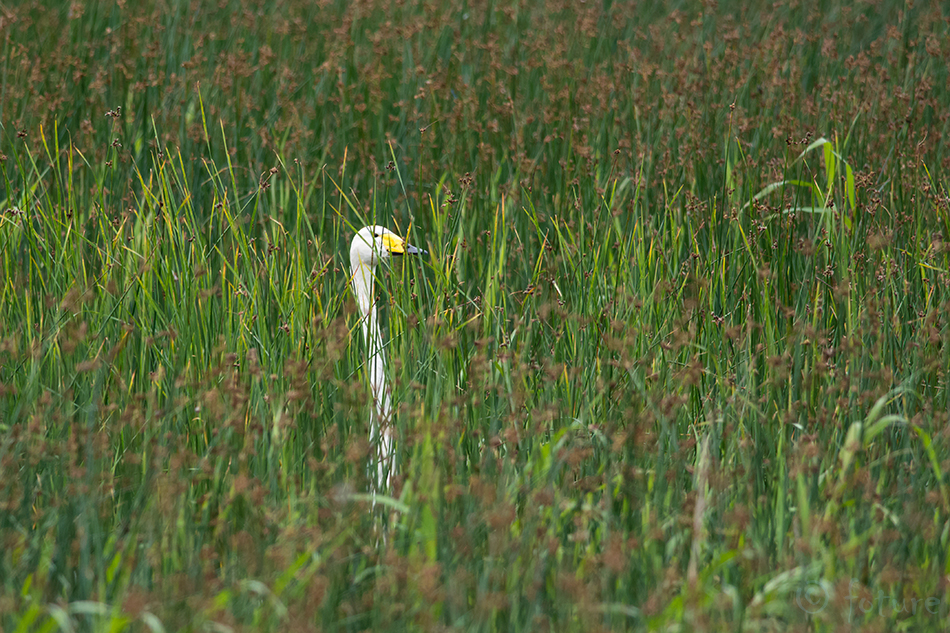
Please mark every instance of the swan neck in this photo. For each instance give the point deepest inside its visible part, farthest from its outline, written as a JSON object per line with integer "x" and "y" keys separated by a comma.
{"x": 363, "y": 289}
{"x": 375, "y": 358}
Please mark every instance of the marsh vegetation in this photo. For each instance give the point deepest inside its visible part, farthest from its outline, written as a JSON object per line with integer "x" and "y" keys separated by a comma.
{"x": 677, "y": 358}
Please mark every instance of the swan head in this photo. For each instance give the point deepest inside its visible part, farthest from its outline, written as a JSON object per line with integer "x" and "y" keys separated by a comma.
{"x": 372, "y": 244}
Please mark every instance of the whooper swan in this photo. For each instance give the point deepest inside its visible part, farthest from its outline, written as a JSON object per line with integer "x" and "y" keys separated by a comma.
{"x": 371, "y": 245}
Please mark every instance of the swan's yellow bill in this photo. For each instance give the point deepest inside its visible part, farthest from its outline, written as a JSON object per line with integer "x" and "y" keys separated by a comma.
{"x": 394, "y": 244}
{"x": 397, "y": 246}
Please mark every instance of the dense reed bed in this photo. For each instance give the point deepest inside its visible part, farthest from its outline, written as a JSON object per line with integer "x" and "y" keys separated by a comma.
{"x": 677, "y": 358}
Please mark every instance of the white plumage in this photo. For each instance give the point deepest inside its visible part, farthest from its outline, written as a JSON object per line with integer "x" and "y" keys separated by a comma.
{"x": 371, "y": 245}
